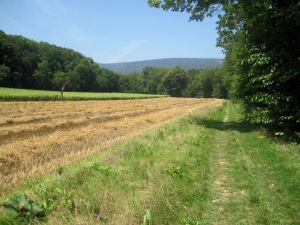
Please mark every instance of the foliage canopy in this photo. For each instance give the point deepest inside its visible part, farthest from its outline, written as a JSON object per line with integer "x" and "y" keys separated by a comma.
{"x": 175, "y": 81}
{"x": 262, "y": 46}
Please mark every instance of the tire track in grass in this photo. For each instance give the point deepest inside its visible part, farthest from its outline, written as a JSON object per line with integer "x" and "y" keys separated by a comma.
{"x": 219, "y": 186}
{"x": 227, "y": 204}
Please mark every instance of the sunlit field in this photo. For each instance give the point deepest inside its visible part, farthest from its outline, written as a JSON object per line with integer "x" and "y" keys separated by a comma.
{"x": 39, "y": 136}
{"x": 13, "y": 94}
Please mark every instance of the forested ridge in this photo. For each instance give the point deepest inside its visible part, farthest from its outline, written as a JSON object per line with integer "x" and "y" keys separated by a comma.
{"x": 185, "y": 63}
{"x": 28, "y": 64}
{"x": 261, "y": 43}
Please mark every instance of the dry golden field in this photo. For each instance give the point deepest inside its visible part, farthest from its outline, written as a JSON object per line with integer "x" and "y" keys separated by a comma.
{"x": 36, "y": 137}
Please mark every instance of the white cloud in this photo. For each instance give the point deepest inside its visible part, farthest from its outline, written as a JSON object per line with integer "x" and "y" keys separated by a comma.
{"x": 126, "y": 50}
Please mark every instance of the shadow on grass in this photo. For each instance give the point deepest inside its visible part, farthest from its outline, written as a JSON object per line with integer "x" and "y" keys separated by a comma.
{"x": 242, "y": 126}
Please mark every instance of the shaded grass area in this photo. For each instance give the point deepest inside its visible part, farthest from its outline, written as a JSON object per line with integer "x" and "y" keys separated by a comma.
{"x": 260, "y": 176}
{"x": 212, "y": 169}
{"x": 13, "y": 94}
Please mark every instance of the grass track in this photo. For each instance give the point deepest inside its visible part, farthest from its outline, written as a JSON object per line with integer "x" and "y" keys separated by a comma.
{"x": 252, "y": 182}
{"x": 213, "y": 169}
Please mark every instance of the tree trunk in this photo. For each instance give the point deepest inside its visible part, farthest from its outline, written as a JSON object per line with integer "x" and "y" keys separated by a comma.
{"x": 62, "y": 91}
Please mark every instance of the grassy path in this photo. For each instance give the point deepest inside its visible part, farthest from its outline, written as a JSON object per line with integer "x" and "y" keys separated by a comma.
{"x": 210, "y": 167}
{"x": 221, "y": 190}
{"x": 246, "y": 185}
{"x": 228, "y": 202}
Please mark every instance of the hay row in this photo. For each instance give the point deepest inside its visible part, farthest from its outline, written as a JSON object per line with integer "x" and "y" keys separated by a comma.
{"x": 37, "y": 154}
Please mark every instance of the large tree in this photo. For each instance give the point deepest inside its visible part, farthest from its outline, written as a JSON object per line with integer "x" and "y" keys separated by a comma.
{"x": 175, "y": 81}
{"x": 269, "y": 74}
{"x": 262, "y": 46}
{"x": 154, "y": 85}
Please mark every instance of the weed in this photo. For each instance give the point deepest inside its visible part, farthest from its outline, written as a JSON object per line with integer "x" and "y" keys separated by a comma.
{"x": 55, "y": 196}
{"x": 67, "y": 200}
{"x": 60, "y": 170}
{"x": 20, "y": 207}
{"x": 99, "y": 168}
{"x": 190, "y": 221}
{"x": 161, "y": 135}
{"x": 175, "y": 171}
{"x": 147, "y": 218}
{"x": 48, "y": 204}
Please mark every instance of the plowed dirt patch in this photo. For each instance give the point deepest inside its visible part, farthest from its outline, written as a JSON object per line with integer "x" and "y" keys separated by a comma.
{"x": 36, "y": 137}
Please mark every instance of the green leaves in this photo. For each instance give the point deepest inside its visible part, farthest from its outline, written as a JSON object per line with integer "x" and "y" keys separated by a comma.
{"x": 175, "y": 171}
{"x": 147, "y": 220}
{"x": 154, "y": 3}
{"x": 265, "y": 50}
{"x": 175, "y": 81}
{"x": 198, "y": 9}
{"x": 21, "y": 207}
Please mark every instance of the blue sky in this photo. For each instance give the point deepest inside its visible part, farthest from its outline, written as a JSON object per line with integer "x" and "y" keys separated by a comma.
{"x": 111, "y": 31}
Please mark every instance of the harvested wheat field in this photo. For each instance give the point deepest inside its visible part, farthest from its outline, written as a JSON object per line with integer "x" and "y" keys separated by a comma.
{"x": 36, "y": 137}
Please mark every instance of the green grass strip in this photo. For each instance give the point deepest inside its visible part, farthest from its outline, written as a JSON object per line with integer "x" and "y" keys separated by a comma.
{"x": 13, "y": 94}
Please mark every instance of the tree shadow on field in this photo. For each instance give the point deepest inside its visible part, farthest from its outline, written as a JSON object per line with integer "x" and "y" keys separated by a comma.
{"x": 242, "y": 126}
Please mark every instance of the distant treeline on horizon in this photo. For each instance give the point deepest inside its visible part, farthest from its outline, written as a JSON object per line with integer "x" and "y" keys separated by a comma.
{"x": 185, "y": 63}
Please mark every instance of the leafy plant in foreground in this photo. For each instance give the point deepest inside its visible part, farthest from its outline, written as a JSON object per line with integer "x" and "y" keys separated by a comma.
{"x": 147, "y": 218}
{"x": 23, "y": 208}
{"x": 55, "y": 196}
{"x": 175, "y": 171}
{"x": 190, "y": 221}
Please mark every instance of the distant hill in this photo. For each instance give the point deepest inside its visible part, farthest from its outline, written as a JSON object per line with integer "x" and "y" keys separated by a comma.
{"x": 185, "y": 63}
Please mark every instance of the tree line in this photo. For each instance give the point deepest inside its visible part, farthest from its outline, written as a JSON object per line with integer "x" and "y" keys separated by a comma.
{"x": 25, "y": 63}
{"x": 28, "y": 64}
{"x": 261, "y": 43}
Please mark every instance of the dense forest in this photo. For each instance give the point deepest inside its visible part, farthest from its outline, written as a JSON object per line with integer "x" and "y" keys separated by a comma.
{"x": 25, "y": 63}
